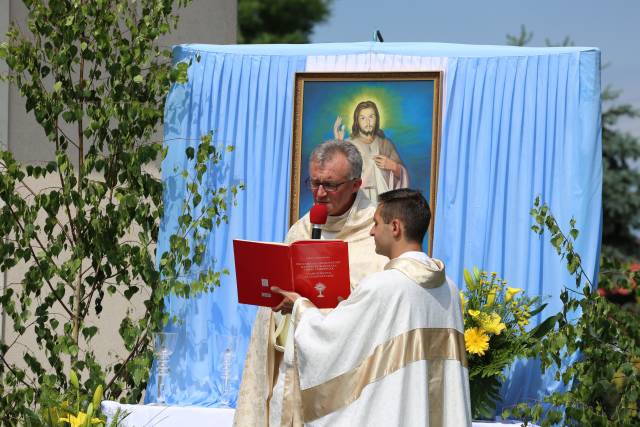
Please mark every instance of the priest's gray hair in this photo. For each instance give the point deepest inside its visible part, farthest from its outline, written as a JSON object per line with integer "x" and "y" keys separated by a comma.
{"x": 325, "y": 152}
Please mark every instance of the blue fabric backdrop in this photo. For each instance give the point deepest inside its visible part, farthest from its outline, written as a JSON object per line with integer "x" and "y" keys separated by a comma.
{"x": 518, "y": 123}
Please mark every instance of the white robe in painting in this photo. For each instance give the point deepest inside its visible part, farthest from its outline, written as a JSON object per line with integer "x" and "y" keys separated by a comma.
{"x": 392, "y": 354}
{"x": 376, "y": 181}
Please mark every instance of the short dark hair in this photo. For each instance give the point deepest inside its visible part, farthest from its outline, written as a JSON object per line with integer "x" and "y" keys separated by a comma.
{"x": 410, "y": 207}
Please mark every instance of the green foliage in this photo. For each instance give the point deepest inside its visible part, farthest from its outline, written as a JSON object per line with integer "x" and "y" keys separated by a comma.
{"x": 621, "y": 181}
{"x": 621, "y": 173}
{"x": 95, "y": 80}
{"x": 522, "y": 39}
{"x": 604, "y": 383}
{"x": 279, "y": 21}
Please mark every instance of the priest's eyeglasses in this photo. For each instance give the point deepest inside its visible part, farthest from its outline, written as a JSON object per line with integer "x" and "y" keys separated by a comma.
{"x": 329, "y": 187}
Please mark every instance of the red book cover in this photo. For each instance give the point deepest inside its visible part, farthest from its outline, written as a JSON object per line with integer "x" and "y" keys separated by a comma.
{"x": 316, "y": 269}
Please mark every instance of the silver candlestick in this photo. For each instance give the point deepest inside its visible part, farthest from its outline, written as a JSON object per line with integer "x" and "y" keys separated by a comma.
{"x": 226, "y": 345}
{"x": 163, "y": 345}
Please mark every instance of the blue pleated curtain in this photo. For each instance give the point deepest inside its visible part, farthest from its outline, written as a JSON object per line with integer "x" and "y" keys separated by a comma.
{"x": 517, "y": 123}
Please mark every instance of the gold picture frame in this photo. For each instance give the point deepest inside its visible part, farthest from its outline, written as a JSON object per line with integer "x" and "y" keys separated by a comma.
{"x": 409, "y": 118}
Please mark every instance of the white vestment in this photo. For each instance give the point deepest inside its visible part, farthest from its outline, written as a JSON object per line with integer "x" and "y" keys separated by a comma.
{"x": 392, "y": 354}
{"x": 264, "y": 399}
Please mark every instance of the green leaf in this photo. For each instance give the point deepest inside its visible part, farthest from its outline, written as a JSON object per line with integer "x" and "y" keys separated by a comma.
{"x": 544, "y": 327}
{"x": 89, "y": 332}
{"x": 73, "y": 378}
{"x": 468, "y": 279}
{"x": 138, "y": 79}
{"x": 574, "y": 233}
{"x": 537, "y": 310}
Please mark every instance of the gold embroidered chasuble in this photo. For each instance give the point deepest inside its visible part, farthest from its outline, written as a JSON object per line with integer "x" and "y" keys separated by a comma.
{"x": 391, "y": 354}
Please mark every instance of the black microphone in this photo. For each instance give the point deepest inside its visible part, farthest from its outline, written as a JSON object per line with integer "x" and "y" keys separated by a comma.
{"x": 318, "y": 216}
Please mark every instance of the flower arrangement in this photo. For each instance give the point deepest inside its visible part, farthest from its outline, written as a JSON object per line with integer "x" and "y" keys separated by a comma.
{"x": 495, "y": 322}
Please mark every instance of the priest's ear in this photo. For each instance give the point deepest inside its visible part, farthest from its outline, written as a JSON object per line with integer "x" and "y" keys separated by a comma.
{"x": 397, "y": 228}
{"x": 357, "y": 183}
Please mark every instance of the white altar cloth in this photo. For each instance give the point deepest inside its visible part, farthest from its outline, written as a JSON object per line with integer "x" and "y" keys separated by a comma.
{"x": 196, "y": 416}
{"x": 168, "y": 416}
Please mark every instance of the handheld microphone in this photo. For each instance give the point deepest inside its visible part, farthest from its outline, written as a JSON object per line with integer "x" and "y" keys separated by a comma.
{"x": 318, "y": 216}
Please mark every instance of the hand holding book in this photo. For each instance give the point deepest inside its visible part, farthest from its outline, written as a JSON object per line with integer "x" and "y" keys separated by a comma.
{"x": 315, "y": 269}
{"x": 289, "y": 299}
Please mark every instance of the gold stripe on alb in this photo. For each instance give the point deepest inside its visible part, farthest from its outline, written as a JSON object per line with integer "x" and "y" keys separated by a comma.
{"x": 430, "y": 344}
{"x": 287, "y": 401}
{"x": 436, "y": 392}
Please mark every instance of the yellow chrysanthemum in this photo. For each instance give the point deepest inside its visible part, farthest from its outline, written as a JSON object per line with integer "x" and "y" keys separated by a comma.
{"x": 493, "y": 324}
{"x": 511, "y": 292}
{"x": 79, "y": 420}
{"x": 476, "y": 341}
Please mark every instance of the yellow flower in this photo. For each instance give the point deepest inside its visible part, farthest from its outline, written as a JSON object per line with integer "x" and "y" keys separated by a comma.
{"x": 474, "y": 313}
{"x": 476, "y": 341}
{"x": 493, "y": 324}
{"x": 511, "y": 292}
{"x": 462, "y": 301}
{"x": 491, "y": 297}
{"x": 79, "y": 420}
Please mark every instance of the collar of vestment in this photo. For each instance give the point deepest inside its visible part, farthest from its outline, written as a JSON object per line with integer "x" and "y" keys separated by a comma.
{"x": 353, "y": 225}
{"x": 427, "y": 272}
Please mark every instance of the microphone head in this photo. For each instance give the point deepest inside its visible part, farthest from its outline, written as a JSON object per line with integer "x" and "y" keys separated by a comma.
{"x": 318, "y": 214}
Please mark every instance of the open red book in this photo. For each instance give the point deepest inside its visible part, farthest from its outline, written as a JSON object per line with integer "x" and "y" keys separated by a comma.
{"x": 316, "y": 269}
